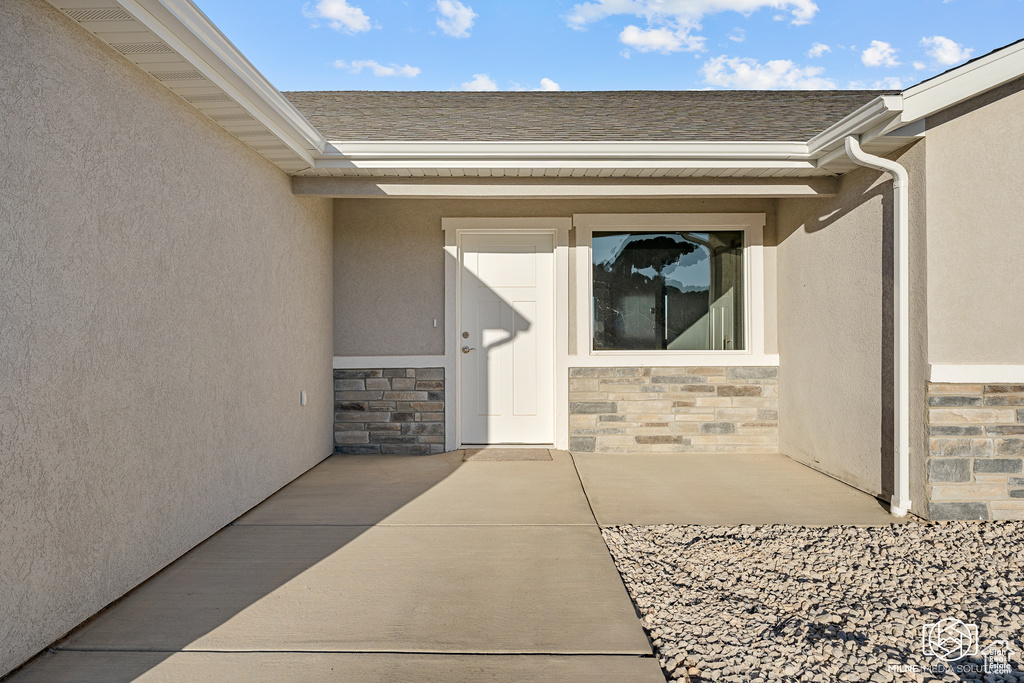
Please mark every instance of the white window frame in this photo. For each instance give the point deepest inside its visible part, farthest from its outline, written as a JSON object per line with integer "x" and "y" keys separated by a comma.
{"x": 752, "y": 226}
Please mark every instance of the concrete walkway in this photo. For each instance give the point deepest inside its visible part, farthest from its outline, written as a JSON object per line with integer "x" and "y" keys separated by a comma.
{"x": 714, "y": 490}
{"x": 371, "y": 568}
{"x": 376, "y": 568}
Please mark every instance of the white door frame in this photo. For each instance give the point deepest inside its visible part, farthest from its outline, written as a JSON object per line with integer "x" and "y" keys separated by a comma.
{"x": 453, "y": 228}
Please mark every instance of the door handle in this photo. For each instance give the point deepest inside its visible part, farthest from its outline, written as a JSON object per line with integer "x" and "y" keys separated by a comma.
{"x": 466, "y": 349}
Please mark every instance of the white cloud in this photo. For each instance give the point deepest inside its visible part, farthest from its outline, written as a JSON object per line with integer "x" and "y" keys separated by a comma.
{"x": 480, "y": 83}
{"x": 658, "y": 11}
{"x": 456, "y": 18}
{"x": 818, "y": 49}
{"x": 663, "y": 40}
{"x": 378, "y": 69}
{"x": 920, "y": 66}
{"x": 735, "y": 72}
{"x": 484, "y": 82}
{"x": 738, "y": 35}
{"x": 889, "y": 83}
{"x": 340, "y": 15}
{"x": 880, "y": 54}
{"x": 945, "y": 51}
{"x": 672, "y": 24}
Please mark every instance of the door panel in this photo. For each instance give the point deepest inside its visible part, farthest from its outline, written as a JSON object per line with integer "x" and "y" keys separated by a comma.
{"x": 506, "y": 305}
{"x": 524, "y": 360}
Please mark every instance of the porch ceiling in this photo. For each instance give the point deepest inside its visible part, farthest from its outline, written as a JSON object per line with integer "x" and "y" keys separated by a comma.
{"x": 566, "y": 171}
{"x": 549, "y": 185}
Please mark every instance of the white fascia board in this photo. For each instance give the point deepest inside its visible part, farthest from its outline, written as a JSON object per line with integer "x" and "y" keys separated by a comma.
{"x": 192, "y": 35}
{"x": 963, "y": 83}
{"x": 565, "y": 155}
{"x": 881, "y": 110}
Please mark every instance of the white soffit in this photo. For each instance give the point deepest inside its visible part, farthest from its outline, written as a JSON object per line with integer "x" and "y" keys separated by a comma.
{"x": 565, "y": 170}
{"x": 176, "y": 44}
{"x": 560, "y": 187}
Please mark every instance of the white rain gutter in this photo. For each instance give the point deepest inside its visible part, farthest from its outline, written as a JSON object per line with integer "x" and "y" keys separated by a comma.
{"x": 613, "y": 155}
{"x": 900, "y": 504}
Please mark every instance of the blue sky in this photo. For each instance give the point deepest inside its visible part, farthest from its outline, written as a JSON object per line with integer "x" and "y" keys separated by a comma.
{"x": 611, "y": 44}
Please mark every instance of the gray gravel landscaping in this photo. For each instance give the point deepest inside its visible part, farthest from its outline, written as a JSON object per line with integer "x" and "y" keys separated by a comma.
{"x": 791, "y": 603}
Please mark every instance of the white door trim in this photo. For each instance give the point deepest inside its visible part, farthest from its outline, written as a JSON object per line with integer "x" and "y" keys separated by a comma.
{"x": 559, "y": 228}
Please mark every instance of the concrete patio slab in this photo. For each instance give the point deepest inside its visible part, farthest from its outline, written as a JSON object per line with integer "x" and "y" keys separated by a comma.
{"x": 427, "y": 589}
{"x": 358, "y": 490}
{"x": 274, "y": 667}
{"x": 720, "y": 489}
{"x": 386, "y": 490}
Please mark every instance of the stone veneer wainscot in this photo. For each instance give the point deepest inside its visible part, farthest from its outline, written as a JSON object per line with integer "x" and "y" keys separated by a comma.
{"x": 674, "y": 410}
{"x": 389, "y": 410}
{"x": 975, "y": 451}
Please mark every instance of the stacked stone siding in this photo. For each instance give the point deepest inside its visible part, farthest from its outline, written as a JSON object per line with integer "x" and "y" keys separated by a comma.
{"x": 391, "y": 410}
{"x": 674, "y": 410}
{"x": 976, "y": 451}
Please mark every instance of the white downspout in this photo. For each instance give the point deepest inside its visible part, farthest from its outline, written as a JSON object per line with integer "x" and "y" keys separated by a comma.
{"x": 900, "y": 505}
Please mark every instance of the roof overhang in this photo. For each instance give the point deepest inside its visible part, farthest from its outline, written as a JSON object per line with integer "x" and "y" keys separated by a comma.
{"x": 823, "y": 155}
{"x": 962, "y": 83}
{"x": 178, "y": 45}
{"x": 173, "y": 41}
{"x": 613, "y": 159}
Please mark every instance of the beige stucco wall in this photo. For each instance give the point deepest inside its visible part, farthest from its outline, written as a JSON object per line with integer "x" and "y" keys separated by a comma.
{"x": 389, "y": 262}
{"x": 976, "y": 229}
{"x": 163, "y": 300}
{"x": 835, "y": 328}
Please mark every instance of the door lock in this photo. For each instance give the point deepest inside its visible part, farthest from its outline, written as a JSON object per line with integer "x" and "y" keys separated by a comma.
{"x": 466, "y": 349}
{"x": 465, "y": 335}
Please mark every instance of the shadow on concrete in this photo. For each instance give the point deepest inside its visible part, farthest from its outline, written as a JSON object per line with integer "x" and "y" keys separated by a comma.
{"x": 388, "y": 555}
{"x": 226, "y": 558}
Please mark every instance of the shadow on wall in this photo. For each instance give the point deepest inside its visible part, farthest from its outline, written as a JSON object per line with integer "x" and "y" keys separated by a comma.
{"x": 490, "y": 326}
{"x": 858, "y": 189}
{"x": 504, "y": 389}
{"x": 401, "y": 411}
{"x": 189, "y": 604}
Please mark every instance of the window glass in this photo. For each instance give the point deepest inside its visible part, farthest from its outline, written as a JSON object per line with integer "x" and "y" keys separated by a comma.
{"x": 676, "y": 291}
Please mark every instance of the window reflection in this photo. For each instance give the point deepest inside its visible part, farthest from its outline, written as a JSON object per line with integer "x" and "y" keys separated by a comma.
{"x": 673, "y": 291}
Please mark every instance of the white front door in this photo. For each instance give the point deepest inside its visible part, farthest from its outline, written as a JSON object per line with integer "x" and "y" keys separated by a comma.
{"x": 506, "y": 338}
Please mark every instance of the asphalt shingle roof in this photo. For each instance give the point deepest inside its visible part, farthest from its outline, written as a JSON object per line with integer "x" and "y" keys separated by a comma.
{"x": 711, "y": 115}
